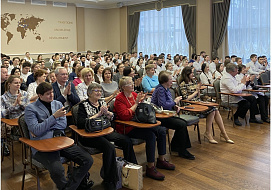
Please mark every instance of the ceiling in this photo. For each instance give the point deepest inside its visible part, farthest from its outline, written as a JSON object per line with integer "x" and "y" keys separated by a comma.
{"x": 104, "y": 4}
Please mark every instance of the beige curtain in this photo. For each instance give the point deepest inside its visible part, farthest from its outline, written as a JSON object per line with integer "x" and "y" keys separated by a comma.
{"x": 133, "y": 30}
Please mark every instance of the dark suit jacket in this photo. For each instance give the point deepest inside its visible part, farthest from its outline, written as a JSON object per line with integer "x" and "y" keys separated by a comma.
{"x": 30, "y": 79}
{"x": 72, "y": 98}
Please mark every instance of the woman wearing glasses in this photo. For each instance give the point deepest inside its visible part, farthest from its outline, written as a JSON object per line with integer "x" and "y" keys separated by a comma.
{"x": 94, "y": 107}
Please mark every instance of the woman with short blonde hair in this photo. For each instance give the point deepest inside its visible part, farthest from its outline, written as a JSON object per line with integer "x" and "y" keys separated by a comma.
{"x": 87, "y": 75}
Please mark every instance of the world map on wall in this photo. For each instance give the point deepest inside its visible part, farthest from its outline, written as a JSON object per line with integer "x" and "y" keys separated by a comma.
{"x": 24, "y": 24}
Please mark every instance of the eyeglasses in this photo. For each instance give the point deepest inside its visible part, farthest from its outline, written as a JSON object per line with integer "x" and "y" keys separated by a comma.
{"x": 100, "y": 91}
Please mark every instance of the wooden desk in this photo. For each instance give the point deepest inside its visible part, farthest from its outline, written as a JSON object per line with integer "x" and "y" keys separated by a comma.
{"x": 235, "y": 94}
{"x": 84, "y": 134}
{"x": 251, "y": 90}
{"x": 263, "y": 86}
{"x": 201, "y": 103}
{"x": 10, "y": 122}
{"x": 69, "y": 114}
{"x": 203, "y": 87}
{"x": 195, "y": 108}
{"x": 164, "y": 116}
{"x": 49, "y": 145}
{"x": 138, "y": 125}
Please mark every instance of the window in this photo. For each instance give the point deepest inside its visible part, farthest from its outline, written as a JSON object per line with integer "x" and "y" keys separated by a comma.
{"x": 162, "y": 32}
{"x": 249, "y": 28}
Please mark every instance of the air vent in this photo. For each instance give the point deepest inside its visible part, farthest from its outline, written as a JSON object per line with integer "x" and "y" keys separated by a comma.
{"x": 17, "y": 1}
{"x": 59, "y": 4}
{"x": 38, "y": 2}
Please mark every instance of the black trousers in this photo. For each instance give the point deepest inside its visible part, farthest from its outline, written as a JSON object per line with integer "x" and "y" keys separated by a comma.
{"x": 263, "y": 106}
{"x": 181, "y": 139}
{"x": 108, "y": 149}
{"x": 250, "y": 103}
{"x": 51, "y": 161}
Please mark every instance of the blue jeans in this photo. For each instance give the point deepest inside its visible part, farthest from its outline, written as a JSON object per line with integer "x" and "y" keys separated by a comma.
{"x": 51, "y": 161}
{"x": 150, "y": 135}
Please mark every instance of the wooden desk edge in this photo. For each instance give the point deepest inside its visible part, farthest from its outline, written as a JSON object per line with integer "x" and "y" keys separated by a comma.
{"x": 82, "y": 132}
{"x": 137, "y": 124}
{"x": 33, "y": 143}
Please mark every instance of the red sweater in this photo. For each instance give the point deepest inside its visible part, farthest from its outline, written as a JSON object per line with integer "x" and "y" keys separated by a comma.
{"x": 123, "y": 111}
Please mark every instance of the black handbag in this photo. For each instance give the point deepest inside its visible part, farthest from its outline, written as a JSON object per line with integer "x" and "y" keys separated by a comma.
{"x": 96, "y": 125}
{"x": 145, "y": 113}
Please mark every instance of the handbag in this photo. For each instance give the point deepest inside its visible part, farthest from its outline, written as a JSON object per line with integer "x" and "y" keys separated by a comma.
{"x": 145, "y": 113}
{"x": 132, "y": 176}
{"x": 97, "y": 125}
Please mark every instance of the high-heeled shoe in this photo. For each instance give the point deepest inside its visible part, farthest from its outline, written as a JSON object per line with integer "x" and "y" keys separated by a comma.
{"x": 212, "y": 141}
{"x": 226, "y": 139}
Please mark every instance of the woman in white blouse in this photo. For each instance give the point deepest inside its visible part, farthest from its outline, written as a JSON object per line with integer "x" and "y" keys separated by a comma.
{"x": 218, "y": 73}
{"x": 88, "y": 77}
{"x": 206, "y": 77}
{"x": 39, "y": 77}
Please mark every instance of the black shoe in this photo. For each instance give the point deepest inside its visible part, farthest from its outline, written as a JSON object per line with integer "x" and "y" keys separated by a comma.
{"x": 266, "y": 120}
{"x": 237, "y": 122}
{"x": 6, "y": 150}
{"x": 109, "y": 185}
{"x": 255, "y": 121}
{"x": 86, "y": 185}
{"x": 187, "y": 155}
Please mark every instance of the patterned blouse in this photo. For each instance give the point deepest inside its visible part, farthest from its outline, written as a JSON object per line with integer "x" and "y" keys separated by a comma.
{"x": 8, "y": 110}
{"x": 188, "y": 89}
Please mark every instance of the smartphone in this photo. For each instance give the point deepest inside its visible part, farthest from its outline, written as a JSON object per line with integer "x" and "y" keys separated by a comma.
{"x": 66, "y": 108}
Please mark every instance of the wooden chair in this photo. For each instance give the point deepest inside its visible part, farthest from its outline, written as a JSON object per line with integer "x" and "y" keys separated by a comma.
{"x": 10, "y": 138}
{"x": 46, "y": 145}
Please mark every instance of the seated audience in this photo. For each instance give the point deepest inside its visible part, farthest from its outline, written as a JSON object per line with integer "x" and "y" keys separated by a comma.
{"x": 88, "y": 78}
{"x": 229, "y": 84}
{"x": 162, "y": 97}
{"x": 98, "y": 73}
{"x": 25, "y": 71}
{"x": 4, "y": 77}
{"x": 94, "y": 107}
{"x": 150, "y": 81}
{"x": 52, "y": 77}
{"x": 219, "y": 71}
{"x": 14, "y": 100}
{"x": 129, "y": 71}
{"x": 65, "y": 64}
{"x": 79, "y": 78}
{"x": 73, "y": 74}
{"x": 64, "y": 91}
{"x": 262, "y": 99}
{"x": 206, "y": 77}
{"x": 34, "y": 68}
{"x": 17, "y": 71}
{"x": 39, "y": 77}
{"x": 46, "y": 119}
{"x": 110, "y": 88}
{"x": 119, "y": 72}
{"x": 124, "y": 106}
{"x": 191, "y": 91}
{"x": 254, "y": 67}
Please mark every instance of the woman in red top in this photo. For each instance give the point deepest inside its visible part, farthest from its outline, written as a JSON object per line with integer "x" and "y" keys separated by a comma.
{"x": 124, "y": 106}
